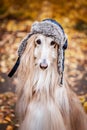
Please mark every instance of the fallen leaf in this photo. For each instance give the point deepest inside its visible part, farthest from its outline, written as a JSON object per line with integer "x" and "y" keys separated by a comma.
{"x": 82, "y": 99}
{"x": 85, "y": 106}
{"x": 9, "y": 127}
{"x": 7, "y": 118}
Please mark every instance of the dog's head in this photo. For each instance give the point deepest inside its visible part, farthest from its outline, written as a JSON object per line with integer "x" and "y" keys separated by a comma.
{"x": 49, "y": 42}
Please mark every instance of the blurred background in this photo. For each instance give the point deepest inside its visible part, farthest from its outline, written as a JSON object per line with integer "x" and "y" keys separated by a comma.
{"x": 16, "y": 18}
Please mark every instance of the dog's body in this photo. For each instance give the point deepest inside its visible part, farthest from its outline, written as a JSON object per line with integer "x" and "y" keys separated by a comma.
{"x": 43, "y": 104}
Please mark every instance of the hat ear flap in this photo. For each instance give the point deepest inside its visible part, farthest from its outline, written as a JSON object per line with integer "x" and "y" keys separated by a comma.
{"x": 64, "y": 48}
{"x": 23, "y": 44}
{"x": 20, "y": 52}
{"x": 61, "y": 58}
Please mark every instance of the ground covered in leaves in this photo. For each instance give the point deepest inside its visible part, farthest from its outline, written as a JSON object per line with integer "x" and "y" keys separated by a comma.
{"x": 11, "y": 33}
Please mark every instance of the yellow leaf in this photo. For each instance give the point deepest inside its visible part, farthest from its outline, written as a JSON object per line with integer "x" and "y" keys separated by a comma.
{"x": 7, "y": 118}
{"x": 82, "y": 99}
{"x": 5, "y": 122}
{"x": 9, "y": 127}
{"x": 85, "y": 106}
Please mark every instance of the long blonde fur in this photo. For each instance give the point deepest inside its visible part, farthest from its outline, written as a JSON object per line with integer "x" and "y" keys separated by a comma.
{"x": 42, "y": 103}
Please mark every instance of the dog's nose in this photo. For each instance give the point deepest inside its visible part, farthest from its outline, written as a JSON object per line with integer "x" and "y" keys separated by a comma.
{"x": 43, "y": 65}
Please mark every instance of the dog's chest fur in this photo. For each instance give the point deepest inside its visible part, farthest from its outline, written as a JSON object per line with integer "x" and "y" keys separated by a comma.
{"x": 43, "y": 110}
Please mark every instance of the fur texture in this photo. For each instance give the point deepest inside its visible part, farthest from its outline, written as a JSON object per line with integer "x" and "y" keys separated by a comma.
{"x": 42, "y": 103}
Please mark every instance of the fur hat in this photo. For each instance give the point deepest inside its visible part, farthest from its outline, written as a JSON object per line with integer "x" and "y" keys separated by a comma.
{"x": 50, "y": 28}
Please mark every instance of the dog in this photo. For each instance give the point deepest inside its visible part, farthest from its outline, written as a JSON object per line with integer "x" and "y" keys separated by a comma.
{"x": 45, "y": 100}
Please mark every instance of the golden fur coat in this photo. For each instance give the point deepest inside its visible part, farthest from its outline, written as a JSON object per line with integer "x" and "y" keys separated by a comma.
{"x": 42, "y": 103}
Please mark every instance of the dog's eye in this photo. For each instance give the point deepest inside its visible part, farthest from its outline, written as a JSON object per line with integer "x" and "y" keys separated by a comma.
{"x": 52, "y": 43}
{"x": 38, "y": 41}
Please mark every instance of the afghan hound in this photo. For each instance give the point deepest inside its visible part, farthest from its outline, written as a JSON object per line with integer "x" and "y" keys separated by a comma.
{"x": 43, "y": 102}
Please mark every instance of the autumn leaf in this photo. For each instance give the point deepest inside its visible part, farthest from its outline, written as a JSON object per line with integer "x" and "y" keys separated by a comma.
{"x": 9, "y": 127}
{"x": 85, "y": 106}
